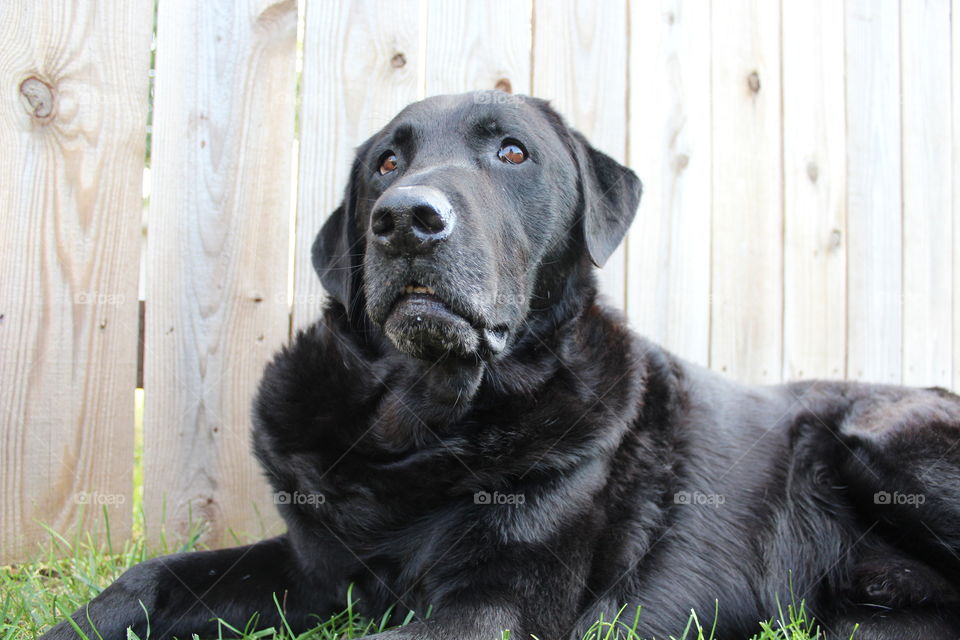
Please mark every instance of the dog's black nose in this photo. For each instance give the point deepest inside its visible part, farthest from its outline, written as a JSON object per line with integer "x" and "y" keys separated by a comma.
{"x": 412, "y": 219}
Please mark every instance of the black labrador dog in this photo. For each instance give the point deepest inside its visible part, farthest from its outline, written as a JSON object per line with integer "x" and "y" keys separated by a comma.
{"x": 467, "y": 428}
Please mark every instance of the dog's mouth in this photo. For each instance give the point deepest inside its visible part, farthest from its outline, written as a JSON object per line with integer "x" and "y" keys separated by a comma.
{"x": 426, "y": 325}
{"x": 422, "y": 298}
{"x": 417, "y": 289}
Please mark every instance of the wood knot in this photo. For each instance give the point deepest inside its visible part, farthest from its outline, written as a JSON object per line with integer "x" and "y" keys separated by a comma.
{"x": 503, "y": 84}
{"x": 680, "y": 162}
{"x": 398, "y": 60}
{"x": 282, "y": 15}
{"x": 39, "y": 98}
{"x": 813, "y": 171}
{"x": 835, "y": 238}
{"x": 753, "y": 82}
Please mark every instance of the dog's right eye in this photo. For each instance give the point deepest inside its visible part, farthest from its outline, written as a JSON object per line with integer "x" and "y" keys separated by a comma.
{"x": 388, "y": 163}
{"x": 512, "y": 151}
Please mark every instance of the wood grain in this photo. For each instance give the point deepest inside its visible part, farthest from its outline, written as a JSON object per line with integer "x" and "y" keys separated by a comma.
{"x": 814, "y": 151}
{"x": 477, "y": 45}
{"x": 72, "y": 129}
{"x": 580, "y": 51}
{"x": 217, "y": 257}
{"x": 747, "y": 227}
{"x": 668, "y": 297}
{"x": 928, "y": 286}
{"x": 360, "y": 67}
{"x": 874, "y": 240}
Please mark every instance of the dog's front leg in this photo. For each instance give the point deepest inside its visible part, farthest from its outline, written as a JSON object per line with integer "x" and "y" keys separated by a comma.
{"x": 185, "y": 593}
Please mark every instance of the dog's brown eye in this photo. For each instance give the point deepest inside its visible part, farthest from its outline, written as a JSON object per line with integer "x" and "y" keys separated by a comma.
{"x": 388, "y": 162}
{"x": 512, "y": 151}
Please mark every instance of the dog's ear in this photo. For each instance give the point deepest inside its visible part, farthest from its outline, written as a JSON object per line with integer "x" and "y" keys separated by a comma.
{"x": 610, "y": 193}
{"x": 338, "y": 249}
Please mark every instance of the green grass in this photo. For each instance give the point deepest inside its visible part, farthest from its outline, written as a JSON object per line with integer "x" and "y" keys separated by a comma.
{"x": 68, "y": 572}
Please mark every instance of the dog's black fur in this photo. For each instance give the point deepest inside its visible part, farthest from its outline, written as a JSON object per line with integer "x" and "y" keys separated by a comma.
{"x": 505, "y": 451}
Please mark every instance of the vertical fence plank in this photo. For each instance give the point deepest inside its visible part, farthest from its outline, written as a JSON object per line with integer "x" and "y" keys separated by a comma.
{"x": 746, "y": 320}
{"x": 360, "y": 64}
{"x": 874, "y": 326}
{"x": 72, "y": 131}
{"x": 668, "y": 298}
{"x": 928, "y": 287}
{"x": 478, "y": 45}
{"x": 814, "y": 151}
{"x": 217, "y": 256}
{"x": 955, "y": 182}
{"x": 579, "y": 64}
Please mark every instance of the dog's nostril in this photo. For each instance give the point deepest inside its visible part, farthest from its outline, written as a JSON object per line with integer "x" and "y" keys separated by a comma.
{"x": 382, "y": 223}
{"x": 426, "y": 219}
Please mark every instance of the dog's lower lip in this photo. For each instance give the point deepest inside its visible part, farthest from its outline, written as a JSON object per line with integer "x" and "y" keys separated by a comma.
{"x": 424, "y": 326}
{"x": 421, "y": 299}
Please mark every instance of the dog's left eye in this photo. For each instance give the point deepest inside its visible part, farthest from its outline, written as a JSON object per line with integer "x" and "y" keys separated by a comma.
{"x": 388, "y": 163}
{"x": 512, "y": 151}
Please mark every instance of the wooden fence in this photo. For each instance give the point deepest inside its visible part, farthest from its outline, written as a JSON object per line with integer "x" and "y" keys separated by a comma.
{"x": 799, "y": 216}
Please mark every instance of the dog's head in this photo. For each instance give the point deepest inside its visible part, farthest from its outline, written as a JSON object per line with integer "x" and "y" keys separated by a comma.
{"x": 462, "y": 215}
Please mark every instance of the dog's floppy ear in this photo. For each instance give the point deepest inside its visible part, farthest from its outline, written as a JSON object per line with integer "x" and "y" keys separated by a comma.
{"x": 338, "y": 249}
{"x": 610, "y": 193}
